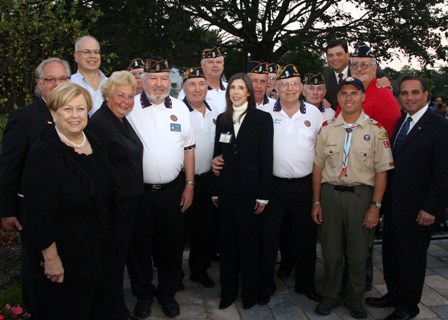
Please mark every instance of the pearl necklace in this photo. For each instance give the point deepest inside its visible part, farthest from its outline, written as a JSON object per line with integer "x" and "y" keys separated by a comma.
{"x": 73, "y": 144}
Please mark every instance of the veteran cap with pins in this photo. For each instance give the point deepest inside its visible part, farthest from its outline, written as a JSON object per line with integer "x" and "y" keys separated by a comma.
{"x": 136, "y": 63}
{"x": 214, "y": 52}
{"x": 313, "y": 78}
{"x": 193, "y": 72}
{"x": 156, "y": 64}
{"x": 288, "y": 71}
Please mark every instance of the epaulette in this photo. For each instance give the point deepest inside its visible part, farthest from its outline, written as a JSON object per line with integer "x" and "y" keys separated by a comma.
{"x": 373, "y": 121}
{"x": 327, "y": 122}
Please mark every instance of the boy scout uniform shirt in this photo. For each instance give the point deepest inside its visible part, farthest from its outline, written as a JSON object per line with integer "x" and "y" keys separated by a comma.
{"x": 370, "y": 152}
{"x": 165, "y": 131}
{"x": 204, "y": 127}
{"x": 294, "y": 141}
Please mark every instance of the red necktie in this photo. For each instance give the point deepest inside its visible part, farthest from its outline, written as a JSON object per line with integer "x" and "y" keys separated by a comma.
{"x": 340, "y": 76}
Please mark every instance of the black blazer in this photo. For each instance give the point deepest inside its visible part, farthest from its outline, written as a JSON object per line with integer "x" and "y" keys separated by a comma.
{"x": 332, "y": 86}
{"x": 24, "y": 126}
{"x": 420, "y": 178}
{"x": 123, "y": 148}
{"x": 248, "y": 158}
{"x": 71, "y": 200}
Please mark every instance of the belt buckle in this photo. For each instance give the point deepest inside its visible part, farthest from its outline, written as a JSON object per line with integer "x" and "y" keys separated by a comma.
{"x": 156, "y": 187}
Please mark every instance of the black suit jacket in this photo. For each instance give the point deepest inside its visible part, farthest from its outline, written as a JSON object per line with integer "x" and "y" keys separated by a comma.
{"x": 248, "y": 158}
{"x": 24, "y": 126}
{"x": 420, "y": 178}
{"x": 123, "y": 149}
{"x": 332, "y": 86}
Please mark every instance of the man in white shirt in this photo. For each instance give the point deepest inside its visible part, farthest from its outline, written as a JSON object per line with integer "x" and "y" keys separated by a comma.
{"x": 163, "y": 125}
{"x": 88, "y": 57}
{"x": 259, "y": 76}
{"x": 314, "y": 90}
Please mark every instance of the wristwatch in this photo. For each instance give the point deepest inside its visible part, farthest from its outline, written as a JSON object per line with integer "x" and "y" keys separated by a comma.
{"x": 376, "y": 204}
{"x": 190, "y": 182}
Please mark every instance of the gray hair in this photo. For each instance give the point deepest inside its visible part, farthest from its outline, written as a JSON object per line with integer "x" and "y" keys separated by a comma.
{"x": 78, "y": 41}
{"x": 38, "y": 73}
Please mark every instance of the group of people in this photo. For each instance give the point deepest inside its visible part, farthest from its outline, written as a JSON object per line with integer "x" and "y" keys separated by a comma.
{"x": 103, "y": 173}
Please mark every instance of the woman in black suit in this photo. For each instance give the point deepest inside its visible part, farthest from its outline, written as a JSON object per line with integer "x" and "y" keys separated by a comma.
{"x": 69, "y": 192}
{"x": 124, "y": 151}
{"x": 244, "y": 139}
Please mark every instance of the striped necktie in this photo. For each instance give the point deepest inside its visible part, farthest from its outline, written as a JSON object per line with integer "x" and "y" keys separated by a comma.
{"x": 347, "y": 144}
{"x": 402, "y": 135}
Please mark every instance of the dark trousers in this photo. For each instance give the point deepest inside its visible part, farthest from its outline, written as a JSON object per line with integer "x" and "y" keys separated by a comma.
{"x": 158, "y": 235}
{"x": 285, "y": 244}
{"x": 201, "y": 221}
{"x": 404, "y": 262}
{"x": 290, "y": 199}
{"x": 239, "y": 232}
{"x": 125, "y": 224}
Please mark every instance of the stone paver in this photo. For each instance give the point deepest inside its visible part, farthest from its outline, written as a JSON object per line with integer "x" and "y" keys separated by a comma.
{"x": 199, "y": 303}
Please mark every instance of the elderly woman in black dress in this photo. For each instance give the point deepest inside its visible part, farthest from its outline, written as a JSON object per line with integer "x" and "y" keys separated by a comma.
{"x": 69, "y": 195}
{"x": 125, "y": 152}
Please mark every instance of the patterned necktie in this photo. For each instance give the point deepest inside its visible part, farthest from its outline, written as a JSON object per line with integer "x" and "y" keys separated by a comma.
{"x": 347, "y": 144}
{"x": 341, "y": 77}
{"x": 402, "y": 134}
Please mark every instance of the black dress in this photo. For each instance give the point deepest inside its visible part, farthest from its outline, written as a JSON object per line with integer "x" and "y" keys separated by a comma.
{"x": 70, "y": 199}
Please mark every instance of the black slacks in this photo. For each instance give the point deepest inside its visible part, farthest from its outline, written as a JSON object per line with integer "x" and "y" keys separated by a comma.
{"x": 158, "y": 236}
{"x": 124, "y": 228}
{"x": 404, "y": 262}
{"x": 292, "y": 199}
{"x": 201, "y": 220}
{"x": 239, "y": 232}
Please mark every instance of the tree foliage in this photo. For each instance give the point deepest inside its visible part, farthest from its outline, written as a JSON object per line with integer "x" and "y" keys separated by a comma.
{"x": 268, "y": 29}
{"x": 31, "y": 31}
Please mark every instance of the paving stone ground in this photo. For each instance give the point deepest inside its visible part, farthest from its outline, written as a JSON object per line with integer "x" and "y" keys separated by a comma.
{"x": 198, "y": 303}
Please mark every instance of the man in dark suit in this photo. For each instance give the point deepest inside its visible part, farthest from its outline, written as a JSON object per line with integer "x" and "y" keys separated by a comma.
{"x": 22, "y": 129}
{"x": 417, "y": 192}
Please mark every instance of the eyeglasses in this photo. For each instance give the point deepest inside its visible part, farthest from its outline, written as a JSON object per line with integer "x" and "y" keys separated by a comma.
{"x": 285, "y": 85}
{"x": 88, "y": 52}
{"x": 352, "y": 95}
{"x": 362, "y": 65}
{"x": 122, "y": 96}
{"x": 55, "y": 79}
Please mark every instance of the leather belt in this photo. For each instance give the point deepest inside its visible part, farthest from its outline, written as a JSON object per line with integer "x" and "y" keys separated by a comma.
{"x": 161, "y": 186}
{"x": 344, "y": 188}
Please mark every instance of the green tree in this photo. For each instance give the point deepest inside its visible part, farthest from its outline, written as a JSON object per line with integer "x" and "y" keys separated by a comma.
{"x": 271, "y": 28}
{"x": 31, "y": 31}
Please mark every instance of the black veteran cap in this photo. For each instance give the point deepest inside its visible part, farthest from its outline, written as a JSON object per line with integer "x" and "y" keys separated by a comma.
{"x": 211, "y": 53}
{"x": 313, "y": 78}
{"x": 257, "y": 67}
{"x": 353, "y": 81}
{"x": 137, "y": 63}
{"x": 273, "y": 67}
{"x": 194, "y": 72}
{"x": 288, "y": 71}
{"x": 363, "y": 51}
{"x": 156, "y": 65}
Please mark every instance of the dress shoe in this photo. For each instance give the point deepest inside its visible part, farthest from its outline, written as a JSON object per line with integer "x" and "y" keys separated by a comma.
{"x": 312, "y": 295}
{"x": 401, "y": 315}
{"x": 263, "y": 300}
{"x": 382, "y": 302}
{"x": 224, "y": 304}
{"x": 203, "y": 279}
{"x": 170, "y": 307}
{"x": 142, "y": 308}
{"x": 283, "y": 272}
{"x": 357, "y": 310}
{"x": 324, "y": 307}
{"x": 248, "y": 305}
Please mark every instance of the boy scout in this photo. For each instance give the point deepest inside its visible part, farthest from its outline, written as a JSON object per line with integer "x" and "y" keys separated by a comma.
{"x": 349, "y": 178}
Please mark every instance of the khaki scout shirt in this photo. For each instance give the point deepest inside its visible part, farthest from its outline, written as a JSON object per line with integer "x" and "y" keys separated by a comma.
{"x": 370, "y": 152}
